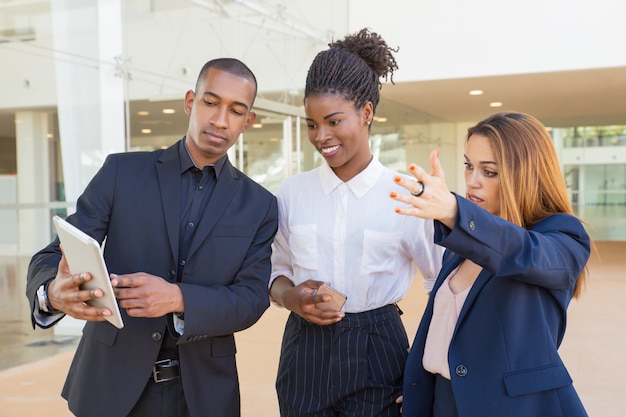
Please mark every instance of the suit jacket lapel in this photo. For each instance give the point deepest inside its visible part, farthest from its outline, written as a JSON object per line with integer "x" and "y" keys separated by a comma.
{"x": 483, "y": 277}
{"x": 226, "y": 188}
{"x": 451, "y": 261}
{"x": 168, "y": 173}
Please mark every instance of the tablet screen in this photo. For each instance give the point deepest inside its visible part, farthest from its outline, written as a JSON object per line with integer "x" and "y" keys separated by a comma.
{"x": 83, "y": 254}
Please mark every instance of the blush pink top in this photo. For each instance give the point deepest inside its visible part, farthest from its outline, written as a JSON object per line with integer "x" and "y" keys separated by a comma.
{"x": 445, "y": 315}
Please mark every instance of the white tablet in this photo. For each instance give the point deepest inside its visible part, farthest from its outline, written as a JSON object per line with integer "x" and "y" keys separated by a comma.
{"x": 83, "y": 254}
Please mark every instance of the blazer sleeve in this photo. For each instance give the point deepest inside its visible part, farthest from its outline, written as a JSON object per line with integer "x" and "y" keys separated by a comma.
{"x": 551, "y": 255}
{"x": 95, "y": 203}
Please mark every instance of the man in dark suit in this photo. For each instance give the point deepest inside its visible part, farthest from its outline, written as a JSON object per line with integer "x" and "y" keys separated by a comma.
{"x": 188, "y": 242}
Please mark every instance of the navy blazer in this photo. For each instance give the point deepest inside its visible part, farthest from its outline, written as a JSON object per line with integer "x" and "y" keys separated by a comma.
{"x": 134, "y": 202}
{"x": 503, "y": 355}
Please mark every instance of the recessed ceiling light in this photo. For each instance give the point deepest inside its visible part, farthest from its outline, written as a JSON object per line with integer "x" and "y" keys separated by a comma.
{"x": 168, "y": 111}
{"x": 495, "y": 104}
{"x": 257, "y": 125}
{"x": 476, "y": 92}
{"x": 146, "y": 131}
{"x": 380, "y": 119}
{"x": 143, "y": 113}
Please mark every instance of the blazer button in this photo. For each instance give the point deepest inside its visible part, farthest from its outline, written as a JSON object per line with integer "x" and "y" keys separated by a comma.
{"x": 461, "y": 370}
{"x": 472, "y": 225}
{"x": 156, "y": 336}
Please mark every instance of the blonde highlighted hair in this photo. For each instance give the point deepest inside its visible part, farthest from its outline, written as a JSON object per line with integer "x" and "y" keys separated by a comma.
{"x": 532, "y": 186}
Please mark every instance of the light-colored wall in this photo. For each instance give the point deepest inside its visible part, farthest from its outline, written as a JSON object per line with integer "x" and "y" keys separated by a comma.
{"x": 458, "y": 38}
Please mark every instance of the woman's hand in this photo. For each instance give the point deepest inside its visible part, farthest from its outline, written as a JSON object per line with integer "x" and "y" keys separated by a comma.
{"x": 303, "y": 300}
{"x": 429, "y": 197}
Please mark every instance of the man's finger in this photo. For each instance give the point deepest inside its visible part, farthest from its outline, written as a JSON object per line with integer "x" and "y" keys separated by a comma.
{"x": 83, "y": 296}
{"x": 63, "y": 262}
{"x": 81, "y": 278}
{"x": 86, "y": 312}
{"x": 127, "y": 280}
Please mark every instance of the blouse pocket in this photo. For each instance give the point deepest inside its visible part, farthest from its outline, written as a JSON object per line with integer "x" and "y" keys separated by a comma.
{"x": 303, "y": 245}
{"x": 379, "y": 251}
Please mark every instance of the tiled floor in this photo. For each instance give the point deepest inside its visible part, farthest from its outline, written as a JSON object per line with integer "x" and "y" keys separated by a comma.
{"x": 19, "y": 344}
{"x": 35, "y": 362}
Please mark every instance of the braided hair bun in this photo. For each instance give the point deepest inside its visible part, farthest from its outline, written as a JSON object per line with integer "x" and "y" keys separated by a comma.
{"x": 352, "y": 67}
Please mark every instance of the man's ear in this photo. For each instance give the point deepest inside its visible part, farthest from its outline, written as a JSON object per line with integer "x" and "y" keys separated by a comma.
{"x": 250, "y": 121}
{"x": 190, "y": 96}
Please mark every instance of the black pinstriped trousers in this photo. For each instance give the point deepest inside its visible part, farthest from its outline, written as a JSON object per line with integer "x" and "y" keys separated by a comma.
{"x": 350, "y": 368}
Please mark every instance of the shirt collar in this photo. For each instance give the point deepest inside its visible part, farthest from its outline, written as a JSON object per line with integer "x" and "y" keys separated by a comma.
{"x": 186, "y": 162}
{"x": 359, "y": 185}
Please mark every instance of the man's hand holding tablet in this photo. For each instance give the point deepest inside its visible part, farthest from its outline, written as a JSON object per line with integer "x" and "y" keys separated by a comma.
{"x": 82, "y": 254}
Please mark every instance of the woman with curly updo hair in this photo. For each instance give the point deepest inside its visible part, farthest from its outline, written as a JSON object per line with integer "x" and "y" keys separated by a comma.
{"x": 337, "y": 227}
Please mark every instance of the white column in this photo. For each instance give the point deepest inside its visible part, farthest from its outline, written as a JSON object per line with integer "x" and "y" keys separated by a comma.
{"x": 33, "y": 180}
{"x": 90, "y": 95}
{"x": 90, "y": 80}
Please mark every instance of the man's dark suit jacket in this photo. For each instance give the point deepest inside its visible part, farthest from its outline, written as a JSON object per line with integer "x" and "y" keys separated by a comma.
{"x": 503, "y": 355}
{"x": 134, "y": 202}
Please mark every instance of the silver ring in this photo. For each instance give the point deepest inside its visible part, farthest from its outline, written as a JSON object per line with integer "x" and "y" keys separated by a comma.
{"x": 420, "y": 192}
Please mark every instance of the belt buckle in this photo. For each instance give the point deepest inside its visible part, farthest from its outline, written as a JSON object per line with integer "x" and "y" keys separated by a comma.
{"x": 161, "y": 365}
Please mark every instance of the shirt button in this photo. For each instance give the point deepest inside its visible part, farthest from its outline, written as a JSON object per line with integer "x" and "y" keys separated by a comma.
{"x": 156, "y": 336}
{"x": 461, "y": 370}
{"x": 183, "y": 262}
{"x": 172, "y": 274}
{"x": 191, "y": 225}
{"x": 472, "y": 225}
{"x": 200, "y": 187}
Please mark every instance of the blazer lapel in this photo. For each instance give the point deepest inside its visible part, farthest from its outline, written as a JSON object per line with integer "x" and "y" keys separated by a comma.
{"x": 226, "y": 188}
{"x": 168, "y": 174}
{"x": 483, "y": 277}
{"x": 450, "y": 262}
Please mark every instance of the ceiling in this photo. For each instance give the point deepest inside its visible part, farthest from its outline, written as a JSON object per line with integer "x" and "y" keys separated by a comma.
{"x": 558, "y": 99}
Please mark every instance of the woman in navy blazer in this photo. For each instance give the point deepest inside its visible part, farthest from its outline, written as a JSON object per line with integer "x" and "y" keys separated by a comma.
{"x": 515, "y": 256}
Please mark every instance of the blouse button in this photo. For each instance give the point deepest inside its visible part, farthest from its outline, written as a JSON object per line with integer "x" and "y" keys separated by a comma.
{"x": 472, "y": 225}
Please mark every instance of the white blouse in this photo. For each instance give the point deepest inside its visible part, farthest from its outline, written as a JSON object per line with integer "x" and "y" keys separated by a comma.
{"x": 348, "y": 234}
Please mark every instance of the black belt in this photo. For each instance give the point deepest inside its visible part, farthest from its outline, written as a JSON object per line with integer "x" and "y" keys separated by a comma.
{"x": 165, "y": 370}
